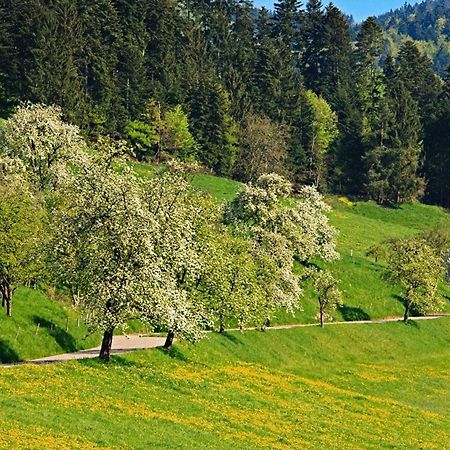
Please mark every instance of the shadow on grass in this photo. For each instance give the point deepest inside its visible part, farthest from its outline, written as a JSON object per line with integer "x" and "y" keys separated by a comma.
{"x": 412, "y": 323}
{"x": 7, "y": 354}
{"x": 174, "y": 353}
{"x": 61, "y": 336}
{"x": 232, "y": 338}
{"x": 115, "y": 361}
{"x": 352, "y": 313}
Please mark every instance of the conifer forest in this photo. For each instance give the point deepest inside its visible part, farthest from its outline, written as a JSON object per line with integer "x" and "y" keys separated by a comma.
{"x": 351, "y": 111}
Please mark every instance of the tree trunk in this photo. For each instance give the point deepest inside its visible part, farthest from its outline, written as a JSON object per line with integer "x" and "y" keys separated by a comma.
{"x": 7, "y": 299}
{"x": 222, "y": 328}
{"x": 321, "y": 318}
{"x": 105, "y": 351}
{"x": 169, "y": 339}
{"x": 8, "y": 306}
{"x": 407, "y": 307}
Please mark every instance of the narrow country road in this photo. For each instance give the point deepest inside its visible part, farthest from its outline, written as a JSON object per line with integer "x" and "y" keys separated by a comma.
{"x": 354, "y": 322}
{"x": 125, "y": 344}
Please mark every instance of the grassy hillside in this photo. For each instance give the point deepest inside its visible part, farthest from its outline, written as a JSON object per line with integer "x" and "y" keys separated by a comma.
{"x": 40, "y": 327}
{"x": 347, "y": 386}
{"x": 366, "y": 294}
{"x": 361, "y": 224}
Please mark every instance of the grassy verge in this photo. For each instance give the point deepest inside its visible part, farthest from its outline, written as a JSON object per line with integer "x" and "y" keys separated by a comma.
{"x": 351, "y": 386}
{"x": 41, "y": 327}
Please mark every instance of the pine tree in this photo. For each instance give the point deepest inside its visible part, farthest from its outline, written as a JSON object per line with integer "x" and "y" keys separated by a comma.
{"x": 393, "y": 165}
{"x": 99, "y": 64}
{"x": 416, "y": 71}
{"x": 20, "y": 19}
{"x": 437, "y": 167}
{"x": 315, "y": 46}
{"x": 131, "y": 56}
{"x": 243, "y": 45}
{"x": 337, "y": 58}
{"x": 266, "y": 68}
{"x": 165, "y": 26}
{"x": 287, "y": 24}
{"x": 214, "y": 128}
{"x": 370, "y": 98}
{"x": 56, "y": 77}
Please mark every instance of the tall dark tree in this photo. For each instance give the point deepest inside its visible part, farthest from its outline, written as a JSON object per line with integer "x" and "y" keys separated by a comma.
{"x": 394, "y": 163}
{"x": 287, "y": 24}
{"x": 266, "y": 68}
{"x": 363, "y": 125}
{"x": 99, "y": 64}
{"x": 20, "y": 22}
{"x": 437, "y": 167}
{"x": 315, "y": 46}
{"x": 243, "y": 44}
{"x": 336, "y": 70}
{"x": 55, "y": 76}
{"x": 131, "y": 55}
{"x": 416, "y": 71}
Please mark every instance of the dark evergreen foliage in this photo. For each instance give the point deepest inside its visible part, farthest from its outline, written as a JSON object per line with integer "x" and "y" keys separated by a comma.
{"x": 105, "y": 61}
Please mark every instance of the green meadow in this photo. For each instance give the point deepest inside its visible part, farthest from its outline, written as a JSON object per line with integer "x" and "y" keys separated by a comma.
{"x": 366, "y": 295}
{"x": 345, "y": 386}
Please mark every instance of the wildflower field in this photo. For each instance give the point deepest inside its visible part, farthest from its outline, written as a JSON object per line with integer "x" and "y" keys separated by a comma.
{"x": 349, "y": 386}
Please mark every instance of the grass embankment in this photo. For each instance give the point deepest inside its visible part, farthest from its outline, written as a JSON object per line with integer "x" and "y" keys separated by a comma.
{"x": 366, "y": 294}
{"x": 361, "y": 224}
{"x": 348, "y": 386}
{"x": 40, "y": 327}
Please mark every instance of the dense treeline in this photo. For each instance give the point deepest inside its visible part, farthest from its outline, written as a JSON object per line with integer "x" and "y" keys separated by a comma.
{"x": 205, "y": 80}
{"x": 428, "y": 22}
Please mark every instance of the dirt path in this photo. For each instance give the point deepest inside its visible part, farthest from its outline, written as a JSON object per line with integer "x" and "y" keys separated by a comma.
{"x": 121, "y": 344}
{"x": 355, "y": 322}
{"x": 125, "y": 344}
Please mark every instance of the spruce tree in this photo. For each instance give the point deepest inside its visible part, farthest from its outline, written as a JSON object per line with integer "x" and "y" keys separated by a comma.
{"x": 20, "y": 20}
{"x": 437, "y": 167}
{"x": 56, "y": 77}
{"x": 370, "y": 101}
{"x": 416, "y": 72}
{"x": 266, "y": 67}
{"x": 214, "y": 128}
{"x": 315, "y": 46}
{"x": 337, "y": 57}
{"x": 99, "y": 64}
{"x": 133, "y": 42}
{"x": 393, "y": 166}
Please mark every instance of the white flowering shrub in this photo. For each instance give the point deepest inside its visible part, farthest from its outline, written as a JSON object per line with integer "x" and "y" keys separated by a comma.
{"x": 304, "y": 224}
{"x": 258, "y": 204}
{"x": 307, "y": 227}
{"x": 38, "y": 137}
{"x": 281, "y": 230}
{"x": 122, "y": 245}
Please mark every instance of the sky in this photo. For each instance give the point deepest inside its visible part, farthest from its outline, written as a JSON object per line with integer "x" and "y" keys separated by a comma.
{"x": 360, "y": 9}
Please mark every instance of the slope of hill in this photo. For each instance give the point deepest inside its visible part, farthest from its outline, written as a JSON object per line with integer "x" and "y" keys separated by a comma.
{"x": 428, "y": 23}
{"x": 40, "y": 327}
{"x": 361, "y": 225}
{"x": 366, "y": 295}
{"x": 360, "y": 386}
